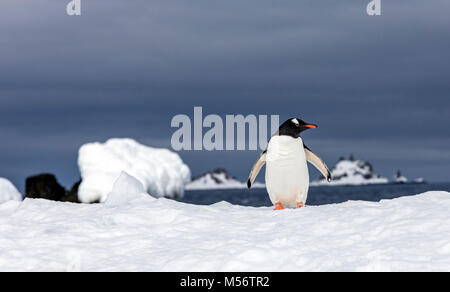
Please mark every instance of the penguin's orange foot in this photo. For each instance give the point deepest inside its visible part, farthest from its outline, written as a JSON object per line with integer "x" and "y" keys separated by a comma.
{"x": 278, "y": 206}
{"x": 299, "y": 205}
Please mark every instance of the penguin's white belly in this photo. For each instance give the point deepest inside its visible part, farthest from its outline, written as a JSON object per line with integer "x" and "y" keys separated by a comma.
{"x": 287, "y": 177}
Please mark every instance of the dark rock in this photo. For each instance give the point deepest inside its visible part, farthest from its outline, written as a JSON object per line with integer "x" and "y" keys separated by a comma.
{"x": 44, "y": 186}
{"x": 74, "y": 189}
{"x": 72, "y": 194}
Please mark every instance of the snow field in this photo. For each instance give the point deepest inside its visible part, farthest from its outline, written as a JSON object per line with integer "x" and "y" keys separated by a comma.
{"x": 143, "y": 233}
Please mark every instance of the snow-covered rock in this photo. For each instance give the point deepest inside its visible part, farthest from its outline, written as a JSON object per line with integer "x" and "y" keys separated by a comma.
{"x": 160, "y": 171}
{"x": 352, "y": 172}
{"x": 8, "y": 191}
{"x": 147, "y": 234}
{"x": 217, "y": 179}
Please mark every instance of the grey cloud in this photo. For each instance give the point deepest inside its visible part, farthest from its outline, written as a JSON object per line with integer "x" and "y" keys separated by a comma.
{"x": 125, "y": 68}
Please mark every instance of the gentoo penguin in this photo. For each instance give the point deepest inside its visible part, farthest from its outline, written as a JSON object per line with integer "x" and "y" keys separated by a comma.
{"x": 287, "y": 177}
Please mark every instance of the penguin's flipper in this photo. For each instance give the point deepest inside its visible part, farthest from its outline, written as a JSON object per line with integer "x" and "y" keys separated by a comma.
{"x": 256, "y": 168}
{"x": 315, "y": 160}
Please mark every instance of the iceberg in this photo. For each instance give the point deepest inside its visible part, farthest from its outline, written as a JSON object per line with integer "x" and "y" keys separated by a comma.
{"x": 419, "y": 180}
{"x": 161, "y": 172}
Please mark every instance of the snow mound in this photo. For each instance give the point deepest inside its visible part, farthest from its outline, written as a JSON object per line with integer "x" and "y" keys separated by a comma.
{"x": 8, "y": 191}
{"x": 147, "y": 234}
{"x": 217, "y": 179}
{"x": 125, "y": 189}
{"x": 352, "y": 172}
{"x": 160, "y": 171}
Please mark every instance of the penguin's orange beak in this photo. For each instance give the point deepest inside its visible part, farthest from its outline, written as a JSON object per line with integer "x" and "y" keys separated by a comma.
{"x": 311, "y": 126}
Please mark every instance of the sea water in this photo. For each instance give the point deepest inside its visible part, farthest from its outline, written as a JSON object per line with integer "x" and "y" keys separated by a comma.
{"x": 317, "y": 195}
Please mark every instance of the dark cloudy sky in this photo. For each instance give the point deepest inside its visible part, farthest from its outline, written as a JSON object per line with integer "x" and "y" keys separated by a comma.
{"x": 379, "y": 87}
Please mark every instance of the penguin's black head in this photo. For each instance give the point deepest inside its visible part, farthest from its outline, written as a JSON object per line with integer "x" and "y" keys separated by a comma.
{"x": 293, "y": 127}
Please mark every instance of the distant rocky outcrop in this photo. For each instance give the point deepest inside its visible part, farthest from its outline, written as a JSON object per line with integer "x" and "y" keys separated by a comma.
{"x": 352, "y": 172}
{"x": 399, "y": 178}
{"x": 46, "y": 186}
{"x": 218, "y": 175}
{"x": 217, "y": 179}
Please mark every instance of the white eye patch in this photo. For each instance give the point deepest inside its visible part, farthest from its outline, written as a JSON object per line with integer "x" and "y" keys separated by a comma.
{"x": 295, "y": 121}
